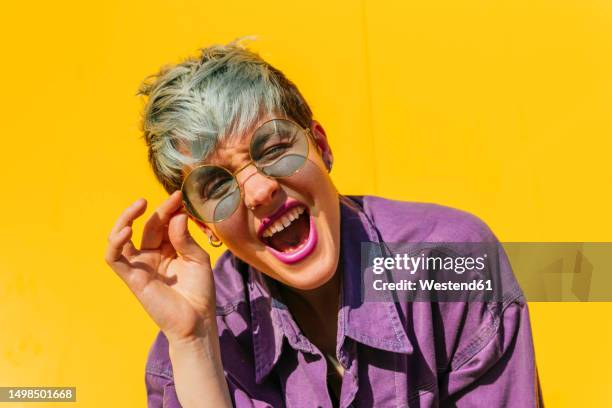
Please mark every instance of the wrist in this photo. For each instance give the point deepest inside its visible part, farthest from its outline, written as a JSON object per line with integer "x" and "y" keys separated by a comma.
{"x": 203, "y": 340}
{"x": 203, "y": 352}
{"x": 205, "y": 328}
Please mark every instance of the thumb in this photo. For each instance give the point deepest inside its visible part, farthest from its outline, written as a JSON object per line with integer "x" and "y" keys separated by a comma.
{"x": 183, "y": 242}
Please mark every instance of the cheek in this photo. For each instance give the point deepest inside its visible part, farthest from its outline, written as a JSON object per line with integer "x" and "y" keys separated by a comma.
{"x": 236, "y": 230}
{"x": 312, "y": 178}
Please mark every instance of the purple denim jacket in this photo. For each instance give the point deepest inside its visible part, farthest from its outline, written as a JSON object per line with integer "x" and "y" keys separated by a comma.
{"x": 412, "y": 354}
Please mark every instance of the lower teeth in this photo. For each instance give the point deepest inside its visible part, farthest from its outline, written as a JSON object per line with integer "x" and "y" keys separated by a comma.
{"x": 293, "y": 249}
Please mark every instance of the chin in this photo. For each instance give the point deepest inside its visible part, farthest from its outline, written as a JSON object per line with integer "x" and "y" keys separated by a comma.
{"x": 312, "y": 277}
{"x": 313, "y": 272}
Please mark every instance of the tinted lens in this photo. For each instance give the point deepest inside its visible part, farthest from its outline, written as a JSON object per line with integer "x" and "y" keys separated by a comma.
{"x": 211, "y": 193}
{"x": 227, "y": 205}
{"x": 279, "y": 148}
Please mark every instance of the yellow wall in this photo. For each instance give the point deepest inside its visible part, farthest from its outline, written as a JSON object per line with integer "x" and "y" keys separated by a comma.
{"x": 498, "y": 108}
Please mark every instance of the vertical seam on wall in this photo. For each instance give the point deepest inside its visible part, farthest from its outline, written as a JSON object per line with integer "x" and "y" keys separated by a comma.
{"x": 368, "y": 86}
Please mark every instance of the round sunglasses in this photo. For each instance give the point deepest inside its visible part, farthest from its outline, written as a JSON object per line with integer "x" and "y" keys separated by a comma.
{"x": 279, "y": 148}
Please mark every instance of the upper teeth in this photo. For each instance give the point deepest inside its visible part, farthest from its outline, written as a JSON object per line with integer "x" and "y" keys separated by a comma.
{"x": 283, "y": 222}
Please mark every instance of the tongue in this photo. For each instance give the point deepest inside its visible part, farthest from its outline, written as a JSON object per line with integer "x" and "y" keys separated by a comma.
{"x": 292, "y": 236}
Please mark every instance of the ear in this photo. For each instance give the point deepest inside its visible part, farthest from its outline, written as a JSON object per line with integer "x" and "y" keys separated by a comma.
{"x": 321, "y": 139}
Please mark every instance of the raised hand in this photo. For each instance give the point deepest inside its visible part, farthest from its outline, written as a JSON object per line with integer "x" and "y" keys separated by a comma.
{"x": 170, "y": 274}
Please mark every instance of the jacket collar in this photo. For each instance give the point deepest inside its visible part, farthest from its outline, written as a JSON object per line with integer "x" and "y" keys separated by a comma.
{"x": 374, "y": 323}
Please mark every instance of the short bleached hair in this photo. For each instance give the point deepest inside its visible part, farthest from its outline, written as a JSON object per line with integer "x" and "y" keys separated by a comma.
{"x": 193, "y": 105}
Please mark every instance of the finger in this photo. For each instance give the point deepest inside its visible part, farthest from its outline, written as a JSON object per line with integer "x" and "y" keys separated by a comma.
{"x": 119, "y": 248}
{"x": 166, "y": 238}
{"x": 153, "y": 232}
{"x": 128, "y": 216}
{"x": 183, "y": 242}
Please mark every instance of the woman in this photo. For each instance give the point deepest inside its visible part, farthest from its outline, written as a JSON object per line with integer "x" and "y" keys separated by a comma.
{"x": 281, "y": 320}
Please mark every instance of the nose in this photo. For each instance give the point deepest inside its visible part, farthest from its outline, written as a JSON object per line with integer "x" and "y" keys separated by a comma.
{"x": 259, "y": 190}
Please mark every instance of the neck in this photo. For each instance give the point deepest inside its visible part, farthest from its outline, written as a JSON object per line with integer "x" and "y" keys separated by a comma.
{"x": 320, "y": 300}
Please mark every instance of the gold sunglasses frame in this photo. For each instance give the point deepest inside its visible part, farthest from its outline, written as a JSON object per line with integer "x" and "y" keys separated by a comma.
{"x": 250, "y": 162}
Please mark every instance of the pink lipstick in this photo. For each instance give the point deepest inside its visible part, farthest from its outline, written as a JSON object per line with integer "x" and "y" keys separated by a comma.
{"x": 285, "y": 228}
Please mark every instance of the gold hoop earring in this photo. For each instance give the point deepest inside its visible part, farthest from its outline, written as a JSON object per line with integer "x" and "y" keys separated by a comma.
{"x": 216, "y": 243}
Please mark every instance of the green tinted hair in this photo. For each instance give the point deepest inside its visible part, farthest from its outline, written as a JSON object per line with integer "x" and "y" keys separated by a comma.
{"x": 194, "y": 104}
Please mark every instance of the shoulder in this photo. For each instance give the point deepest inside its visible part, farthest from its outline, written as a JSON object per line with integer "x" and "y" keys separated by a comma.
{"x": 425, "y": 222}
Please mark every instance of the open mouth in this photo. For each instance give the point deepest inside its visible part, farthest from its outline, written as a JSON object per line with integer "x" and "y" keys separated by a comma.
{"x": 290, "y": 235}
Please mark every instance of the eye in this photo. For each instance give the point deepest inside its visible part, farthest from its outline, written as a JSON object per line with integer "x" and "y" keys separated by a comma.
{"x": 272, "y": 146}
{"x": 275, "y": 151}
{"x": 215, "y": 188}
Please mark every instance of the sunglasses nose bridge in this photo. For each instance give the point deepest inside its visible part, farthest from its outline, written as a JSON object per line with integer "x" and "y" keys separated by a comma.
{"x": 248, "y": 176}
